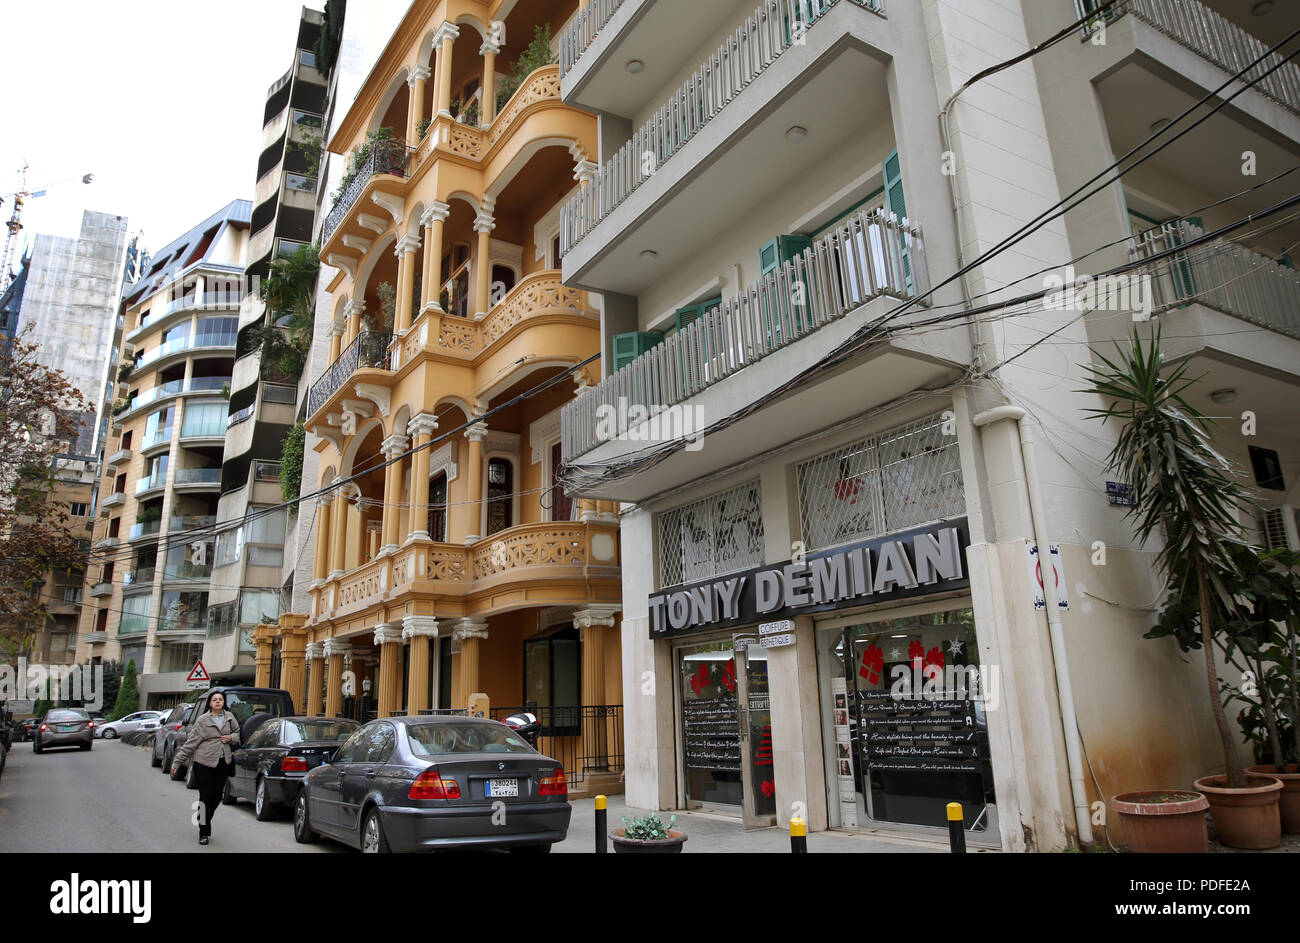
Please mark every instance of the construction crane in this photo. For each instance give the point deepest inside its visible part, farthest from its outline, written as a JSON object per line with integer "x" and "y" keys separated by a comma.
{"x": 15, "y": 224}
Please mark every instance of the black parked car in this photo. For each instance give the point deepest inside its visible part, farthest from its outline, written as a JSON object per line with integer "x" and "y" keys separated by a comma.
{"x": 432, "y": 782}
{"x": 164, "y": 739}
{"x": 270, "y": 768}
{"x": 251, "y": 707}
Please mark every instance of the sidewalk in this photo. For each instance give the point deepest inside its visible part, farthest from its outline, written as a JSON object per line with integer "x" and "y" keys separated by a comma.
{"x": 708, "y": 832}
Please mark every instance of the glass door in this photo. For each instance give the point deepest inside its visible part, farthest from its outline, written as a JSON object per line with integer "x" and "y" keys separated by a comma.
{"x": 709, "y": 695}
{"x": 755, "y": 725}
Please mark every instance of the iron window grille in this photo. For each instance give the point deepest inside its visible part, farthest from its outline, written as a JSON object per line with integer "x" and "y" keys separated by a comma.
{"x": 719, "y": 534}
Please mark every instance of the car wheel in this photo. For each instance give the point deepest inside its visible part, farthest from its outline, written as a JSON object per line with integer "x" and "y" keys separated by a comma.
{"x": 88, "y": 744}
{"x": 263, "y": 807}
{"x": 373, "y": 841}
{"x": 36, "y": 746}
{"x": 110, "y": 734}
{"x": 191, "y": 777}
{"x": 531, "y": 849}
{"x": 302, "y": 832}
{"x": 154, "y": 759}
{"x": 228, "y": 797}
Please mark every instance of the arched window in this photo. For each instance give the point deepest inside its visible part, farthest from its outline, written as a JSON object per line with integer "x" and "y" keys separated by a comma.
{"x": 500, "y": 484}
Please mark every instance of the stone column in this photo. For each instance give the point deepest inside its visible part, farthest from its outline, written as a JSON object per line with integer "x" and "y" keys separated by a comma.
{"x": 293, "y": 648}
{"x": 337, "y": 328}
{"x": 415, "y": 83}
{"x": 393, "y": 446}
{"x": 471, "y": 633}
{"x": 353, "y": 311}
{"x": 339, "y": 532}
{"x": 489, "y": 52}
{"x": 263, "y": 636}
{"x": 320, "y": 561}
{"x": 388, "y": 637}
{"x": 592, "y": 623}
{"x": 445, "y": 38}
{"x": 483, "y": 225}
{"x": 418, "y": 630}
{"x": 431, "y": 279}
{"x": 421, "y": 429}
{"x": 405, "y": 251}
{"x": 334, "y": 650}
{"x": 474, "y": 504}
{"x": 315, "y": 665}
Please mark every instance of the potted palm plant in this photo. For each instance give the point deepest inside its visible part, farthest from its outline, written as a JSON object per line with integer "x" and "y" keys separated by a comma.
{"x": 1184, "y": 491}
{"x": 648, "y": 835}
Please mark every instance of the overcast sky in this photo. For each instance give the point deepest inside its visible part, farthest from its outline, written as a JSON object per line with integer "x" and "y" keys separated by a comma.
{"x": 160, "y": 99}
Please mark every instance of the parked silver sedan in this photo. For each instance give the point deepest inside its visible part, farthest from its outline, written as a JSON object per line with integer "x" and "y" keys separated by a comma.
{"x": 431, "y": 783}
{"x": 64, "y": 727}
{"x": 140, "y": 720}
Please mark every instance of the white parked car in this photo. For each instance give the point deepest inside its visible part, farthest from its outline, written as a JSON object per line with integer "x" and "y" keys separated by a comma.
{"x": 140, "y": 720}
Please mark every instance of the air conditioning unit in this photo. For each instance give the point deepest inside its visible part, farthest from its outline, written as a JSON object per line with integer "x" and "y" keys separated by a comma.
{"x": 1281, "y": 526}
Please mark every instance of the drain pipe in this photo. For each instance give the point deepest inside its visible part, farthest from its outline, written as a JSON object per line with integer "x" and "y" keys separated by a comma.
{"x": 1060, "y": 661}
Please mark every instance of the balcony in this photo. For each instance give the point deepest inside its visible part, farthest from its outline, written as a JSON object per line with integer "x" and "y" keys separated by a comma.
{"x": 174, "y": 388}
{"x": 106, "y": 543}
{"x": 94, "y": 638}
{"x": 203, "y": 429}
{"x": 145, "y": 529}
{"x": 541, "y": 297}
{"x": 388, "y": 157}
{"x": 99, "y": 590}
{"x": 197, "y": 479}
{"x": 185, "y": 344}
{"x": 120, "y": 457}
{"x": 141, "y": 576}
{"x": 369, "y": 350}
{"x": 151, "y": 484}
{"x": 114, "y": 500}
{"x": 1219, "y": 41}
{"x": 582, "y": 31}
{"x": 188, "y": 522}
{"x": 1221, "y": 275}
{"x": 187, "y": 571}
{"x": 736, "y": 64}
{"x": 160, "y": 438}
{"x": 559, "y": 561}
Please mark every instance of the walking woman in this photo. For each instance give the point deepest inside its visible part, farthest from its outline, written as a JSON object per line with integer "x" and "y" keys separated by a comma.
{"x": 209, "y": 747}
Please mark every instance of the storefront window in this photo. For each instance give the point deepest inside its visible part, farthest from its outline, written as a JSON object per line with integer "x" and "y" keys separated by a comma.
{"x": 904, "y": 714}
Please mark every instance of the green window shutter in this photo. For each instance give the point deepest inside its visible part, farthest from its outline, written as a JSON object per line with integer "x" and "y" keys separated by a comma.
{"x": 630, "y": 346}
{"x": 894, "y": 202}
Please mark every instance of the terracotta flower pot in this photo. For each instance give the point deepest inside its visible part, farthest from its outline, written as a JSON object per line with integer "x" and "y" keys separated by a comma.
{"x": 1246, "y": 817}
{"x": 1288, "y": 803}
{"x": 640, "y": 846}
{"x": 1163, "y": 821}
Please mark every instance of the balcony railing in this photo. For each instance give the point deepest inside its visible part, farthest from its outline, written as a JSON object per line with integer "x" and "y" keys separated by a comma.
{"x": 186, "y": 343}
{"x": 187, "y": 522}
{"x": 770, "y": 30}
{"x": 1222, "y": 275}
{"x": 145, "y": 529}
{"x": 236, "y": 418}
{"x": 159, "y": 437}
{"x": 1217, "y": 40}
{"x": 588, "y": 22}
{"x": 139, "y": 576}
{"x": 868, "y": 255}
{"x": 388, "y": 157}
{"x": 198, "y": 476}
{"x": 174, "y": 387}
{"x": 209, "y": 299}
{"x": 368, "y": 349}
{"x": 152, "y": 483}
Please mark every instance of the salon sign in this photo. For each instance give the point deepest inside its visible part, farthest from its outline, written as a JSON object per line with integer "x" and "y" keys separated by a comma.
{"x": 905, "y": 565}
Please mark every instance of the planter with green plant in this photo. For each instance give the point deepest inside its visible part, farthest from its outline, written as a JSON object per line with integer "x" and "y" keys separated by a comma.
{"x": 1184, "y": 491}
{"x": 535, "y": 55}
{"x": 648, "y": 835}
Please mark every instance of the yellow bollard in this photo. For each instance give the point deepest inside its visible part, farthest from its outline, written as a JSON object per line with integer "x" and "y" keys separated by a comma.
{"x": 956, "y": 829}
{"x": 602, "y": 839}
{"x": 798, "y": 836}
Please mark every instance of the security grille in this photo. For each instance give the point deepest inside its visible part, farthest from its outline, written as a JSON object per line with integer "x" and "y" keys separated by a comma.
{"x": 720, "y": 534}
{"x": 903, "y": 478}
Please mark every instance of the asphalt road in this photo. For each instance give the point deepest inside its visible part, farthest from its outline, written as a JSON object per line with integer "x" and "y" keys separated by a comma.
{"x": 109, "y": 799}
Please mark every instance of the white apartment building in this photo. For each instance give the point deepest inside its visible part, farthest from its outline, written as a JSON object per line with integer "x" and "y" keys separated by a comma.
{"x": 871, "y": 489}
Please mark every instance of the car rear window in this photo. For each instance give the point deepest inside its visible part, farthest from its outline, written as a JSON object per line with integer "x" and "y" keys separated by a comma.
{"x": 244, "y": 705}
{"x": 297, "y": 731}
{"x": 67, "y": 715}
{"x": 435, "y": 739}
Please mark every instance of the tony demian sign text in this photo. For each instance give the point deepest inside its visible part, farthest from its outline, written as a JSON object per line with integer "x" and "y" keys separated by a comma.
{"x": 899, "y": 566}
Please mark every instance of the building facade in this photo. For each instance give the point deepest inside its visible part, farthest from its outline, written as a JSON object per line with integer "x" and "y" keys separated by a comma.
{"x": 834, "y": 481}
{"x": 448, "y": 564}
{"x": 155, "y": 540}
{"x": 263, "y": 391}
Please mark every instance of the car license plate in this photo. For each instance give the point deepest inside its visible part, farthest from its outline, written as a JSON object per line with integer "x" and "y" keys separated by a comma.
{"x": 502, "y": 788}
{"x": 67, "y": 728}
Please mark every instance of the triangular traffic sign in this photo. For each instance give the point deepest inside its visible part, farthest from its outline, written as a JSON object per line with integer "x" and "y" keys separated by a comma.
{"x": 199, "y": 673}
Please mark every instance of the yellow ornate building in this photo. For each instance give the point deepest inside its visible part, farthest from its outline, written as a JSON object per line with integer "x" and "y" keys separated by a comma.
{"x": 447, "y": 562}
